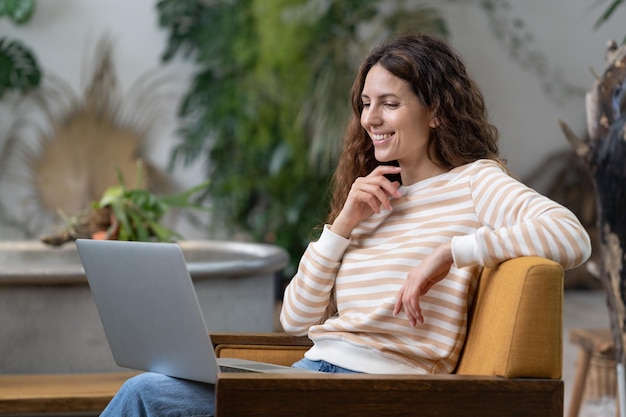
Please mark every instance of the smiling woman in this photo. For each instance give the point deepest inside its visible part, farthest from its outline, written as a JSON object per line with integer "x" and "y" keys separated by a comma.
{"x": 388, "y": 285}
{"x": 452, "y": 110}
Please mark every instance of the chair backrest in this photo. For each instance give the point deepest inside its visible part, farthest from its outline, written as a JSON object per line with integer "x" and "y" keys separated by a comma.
{"x": 516, "y": 321}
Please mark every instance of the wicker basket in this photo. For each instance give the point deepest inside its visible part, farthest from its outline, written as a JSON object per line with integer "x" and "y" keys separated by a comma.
{"x": 601, "y": 380}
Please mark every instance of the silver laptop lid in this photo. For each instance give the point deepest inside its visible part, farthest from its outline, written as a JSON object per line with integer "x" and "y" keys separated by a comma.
{"x": 149, "y": 308}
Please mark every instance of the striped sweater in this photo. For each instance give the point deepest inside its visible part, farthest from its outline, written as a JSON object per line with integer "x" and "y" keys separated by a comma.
{"x": 345, "y": 289}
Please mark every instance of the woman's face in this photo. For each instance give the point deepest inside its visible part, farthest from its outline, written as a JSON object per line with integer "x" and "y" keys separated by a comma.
{"x": 395, "y": 120}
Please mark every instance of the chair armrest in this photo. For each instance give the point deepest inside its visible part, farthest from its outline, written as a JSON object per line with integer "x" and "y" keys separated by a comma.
{"x": 268, "y": 339}
{"x": 516, "y": 321}
{"x": 278, "y": 348}
{"x": 345, "y": 395}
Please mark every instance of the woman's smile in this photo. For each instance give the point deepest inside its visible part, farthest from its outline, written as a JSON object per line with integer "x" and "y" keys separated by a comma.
{"x": 381, "y": 138}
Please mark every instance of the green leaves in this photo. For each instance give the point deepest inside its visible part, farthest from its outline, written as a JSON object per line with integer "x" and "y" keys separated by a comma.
{"x": 137, "y": 213}
{"x": 182, "y": 200}
{"x": 180, "y": 17}
{"x": 270, "y": 100}
{"x": 18, "y": 67}
{"x": 19, "y": 11}
{"x": 608, "y": 13}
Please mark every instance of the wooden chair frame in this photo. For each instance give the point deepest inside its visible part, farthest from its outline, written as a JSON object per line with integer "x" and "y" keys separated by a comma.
{"x": 344, "y": 395}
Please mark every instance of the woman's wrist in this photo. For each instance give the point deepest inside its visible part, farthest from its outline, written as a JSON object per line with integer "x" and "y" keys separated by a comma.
{"x": 342, "y": 228}
{"x": 446, "y": 255}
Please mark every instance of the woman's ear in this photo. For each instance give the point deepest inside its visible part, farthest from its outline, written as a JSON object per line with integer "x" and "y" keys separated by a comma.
{"x": 433, "y": 120}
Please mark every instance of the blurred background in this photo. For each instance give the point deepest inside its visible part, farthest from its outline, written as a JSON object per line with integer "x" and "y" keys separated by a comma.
{"x": 252, "y": 95}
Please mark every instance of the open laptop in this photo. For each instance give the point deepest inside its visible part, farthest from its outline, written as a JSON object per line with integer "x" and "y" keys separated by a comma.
{"x": 150, "y": 312}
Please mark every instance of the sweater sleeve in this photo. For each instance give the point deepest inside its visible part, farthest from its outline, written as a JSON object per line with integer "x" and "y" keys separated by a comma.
{"x": 309, "y": 294}
{"x": 517, "y": 221}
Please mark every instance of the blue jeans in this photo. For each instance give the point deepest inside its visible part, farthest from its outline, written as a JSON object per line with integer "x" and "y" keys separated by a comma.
{"x": 150, "y": 395}
{"x": 321, "y": 366}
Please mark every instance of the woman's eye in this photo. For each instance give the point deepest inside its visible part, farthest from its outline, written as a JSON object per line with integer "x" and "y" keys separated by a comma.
{"x": 391, "y": 105}
{"x": 365, "y": 105}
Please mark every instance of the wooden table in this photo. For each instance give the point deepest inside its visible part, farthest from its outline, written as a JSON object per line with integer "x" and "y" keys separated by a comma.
{"x": 59, "y": 393}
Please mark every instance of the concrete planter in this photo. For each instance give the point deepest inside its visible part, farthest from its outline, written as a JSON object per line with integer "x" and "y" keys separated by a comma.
{"x": 49, "y": 322}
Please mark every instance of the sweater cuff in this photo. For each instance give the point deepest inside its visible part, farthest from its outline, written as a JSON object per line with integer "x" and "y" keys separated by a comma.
{"x": 331, "y": 245}
{"x": 465, "y": 251}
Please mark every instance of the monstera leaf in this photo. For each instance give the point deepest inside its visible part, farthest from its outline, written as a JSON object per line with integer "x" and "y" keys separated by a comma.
{"x": 18, "y": 67}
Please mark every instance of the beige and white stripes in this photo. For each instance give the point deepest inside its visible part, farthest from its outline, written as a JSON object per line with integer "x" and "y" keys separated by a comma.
{"x": 489, "y": 216}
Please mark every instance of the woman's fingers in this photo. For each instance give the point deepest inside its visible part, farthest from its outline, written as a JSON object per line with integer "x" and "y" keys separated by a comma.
{"x": 367, "y": 195}
{"x": 420, "y": 280}
{"x": 397, "y": 308}
{"x": 410, "y": 305}
{"x": 414, "y": 311}
{"x": 375, "y": 189}
{"x": 372, "y": 194}
{"x": 390, "y": 187}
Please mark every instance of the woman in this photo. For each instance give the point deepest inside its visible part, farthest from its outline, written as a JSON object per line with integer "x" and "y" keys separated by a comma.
{"x": 421, "y": 202}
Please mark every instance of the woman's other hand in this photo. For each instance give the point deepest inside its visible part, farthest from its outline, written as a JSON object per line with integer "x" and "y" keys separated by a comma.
{"x": 420, "y": 279}
{"x": 367, "y": 196}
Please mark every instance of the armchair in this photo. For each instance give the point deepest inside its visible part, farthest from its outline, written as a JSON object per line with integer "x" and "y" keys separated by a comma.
{"x": 510, "y": 366}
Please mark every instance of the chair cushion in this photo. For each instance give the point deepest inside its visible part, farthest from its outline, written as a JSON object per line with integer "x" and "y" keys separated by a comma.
{"x": 516, "y": 327}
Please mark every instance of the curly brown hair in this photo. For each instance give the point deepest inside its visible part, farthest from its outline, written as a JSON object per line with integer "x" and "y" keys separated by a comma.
{"x": 439, "y": 79}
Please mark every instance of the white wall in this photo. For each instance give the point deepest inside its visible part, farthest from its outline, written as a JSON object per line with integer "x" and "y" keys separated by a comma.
{"x": 62, "y": 34}
{"x": 526, "y": 116}
{"x": 63, "y": 31}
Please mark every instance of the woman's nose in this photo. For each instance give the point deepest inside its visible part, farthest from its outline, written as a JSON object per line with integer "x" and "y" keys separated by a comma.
{"x": 371, "y": 116}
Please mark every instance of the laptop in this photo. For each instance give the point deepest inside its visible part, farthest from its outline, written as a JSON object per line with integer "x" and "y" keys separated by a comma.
{"x": 150, "y": 311}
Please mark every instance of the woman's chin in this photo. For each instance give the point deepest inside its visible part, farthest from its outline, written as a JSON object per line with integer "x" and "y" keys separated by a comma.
{"x": 383, "y": 157}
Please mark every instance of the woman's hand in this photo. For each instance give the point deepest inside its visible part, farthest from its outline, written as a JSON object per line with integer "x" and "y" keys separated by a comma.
{"x": 367, "y": 196}
{"x": 420, "y": 279}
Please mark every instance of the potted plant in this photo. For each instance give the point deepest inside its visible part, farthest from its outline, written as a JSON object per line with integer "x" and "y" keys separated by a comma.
{"x": 126, "y": 214}
{"x": 269, "y": 101}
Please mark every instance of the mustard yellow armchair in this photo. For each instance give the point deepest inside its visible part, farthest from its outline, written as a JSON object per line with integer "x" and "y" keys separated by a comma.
{"x": 511, "y": 364}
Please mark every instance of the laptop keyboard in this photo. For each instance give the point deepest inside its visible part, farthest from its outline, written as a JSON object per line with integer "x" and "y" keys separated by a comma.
{"x": 229, "y": 369}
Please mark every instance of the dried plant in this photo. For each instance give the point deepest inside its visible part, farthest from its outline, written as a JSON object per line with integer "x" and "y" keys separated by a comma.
{"x": 64, "y": 149}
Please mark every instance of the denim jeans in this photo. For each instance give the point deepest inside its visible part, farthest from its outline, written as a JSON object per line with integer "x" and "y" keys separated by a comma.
{"x": 150, "y": 395}
{"x": 321, "y": 366}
